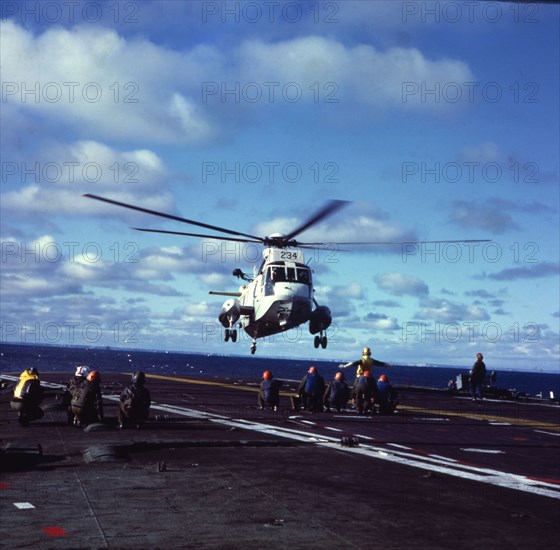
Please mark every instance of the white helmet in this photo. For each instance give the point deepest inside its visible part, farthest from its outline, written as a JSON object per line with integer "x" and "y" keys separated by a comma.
{"x": 82, "y": 370}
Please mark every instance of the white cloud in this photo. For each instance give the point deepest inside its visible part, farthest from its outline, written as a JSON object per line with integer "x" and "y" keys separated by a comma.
{"x": 398, "y": 284}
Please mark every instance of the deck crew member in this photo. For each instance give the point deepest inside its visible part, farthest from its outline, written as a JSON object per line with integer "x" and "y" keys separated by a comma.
{"x": 477, "y": 376}
{"x": 366, "y": 362}
{"x": 72, "y": 387}
{"x": 27, "y": 397}
{"x": 311, "y": 390}
{"x": 386, "y": 396}
{"x": 87, "y": 401}
{"x": 337, "y": 393}
{"x": 269, "y": 392}
{"x": 364, "y": 393}
{"x": 135, "y": 401}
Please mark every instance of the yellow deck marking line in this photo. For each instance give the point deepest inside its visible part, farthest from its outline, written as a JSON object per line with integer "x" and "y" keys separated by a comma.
{"x": 439, "y": 412}
{"x": 209, "y": 383}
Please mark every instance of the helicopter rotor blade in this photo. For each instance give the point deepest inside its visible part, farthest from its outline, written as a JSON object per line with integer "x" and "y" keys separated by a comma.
{"x": 392, "y": 243}
{"x": 330, "y": 208}
{"x": 218, "y": 237}
{"x": 170, "y": 216}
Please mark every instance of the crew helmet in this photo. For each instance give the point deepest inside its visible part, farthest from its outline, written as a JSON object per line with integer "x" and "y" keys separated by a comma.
{"x": 267, "y": 375}
{"x": 82, "y": 370}
{"x": 383, "y": 378}
{"x": 366, "y": 351}
{"x": 339, "y": 375}
{"x": 94, "y": 376}
{"x": 138, "y": 378}
{"x": 312, "y": 370}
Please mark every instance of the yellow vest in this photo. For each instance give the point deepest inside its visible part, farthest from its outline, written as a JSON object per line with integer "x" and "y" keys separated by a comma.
{"x": 366, "y": 363}
{"x": 25, "y": 377}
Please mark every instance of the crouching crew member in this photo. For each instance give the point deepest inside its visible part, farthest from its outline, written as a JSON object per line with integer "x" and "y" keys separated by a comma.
{"x": 28, "y": 394}
{"x": 87, "y": 401}
{"x": 386, "y": 395}
{"x": 364, "y": 394}
{"x": 337, "y": 393}
{"x": 311, "y": 390}
{"x": 135, "y": 401}
{"x": 269, "y": 392}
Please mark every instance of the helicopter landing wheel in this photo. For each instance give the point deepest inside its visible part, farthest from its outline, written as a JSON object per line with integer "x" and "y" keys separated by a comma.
{"x": 253, "y": 349}
{"x": 233, "y": 334}
{"x": 320, "y": 340}
{"x": 226, "y": 335}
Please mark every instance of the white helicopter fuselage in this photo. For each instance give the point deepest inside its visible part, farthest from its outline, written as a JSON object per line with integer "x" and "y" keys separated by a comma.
{"x": 280, "y": 297}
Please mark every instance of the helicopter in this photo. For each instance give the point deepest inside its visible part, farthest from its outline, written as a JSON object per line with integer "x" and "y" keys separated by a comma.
{"x": 280, "y": 294}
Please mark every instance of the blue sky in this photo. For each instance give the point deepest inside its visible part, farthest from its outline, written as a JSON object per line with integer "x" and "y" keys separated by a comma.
{"x": 435, "y": 120}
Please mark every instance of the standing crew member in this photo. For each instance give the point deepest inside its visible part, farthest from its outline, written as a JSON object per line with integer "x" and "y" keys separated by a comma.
{"x": 73, "y": 387}
{"x": 478, "y": 373}
{"x": 135, "y": 401}
{"x": 366, "y": 362}
{"x": 27, "y": 396}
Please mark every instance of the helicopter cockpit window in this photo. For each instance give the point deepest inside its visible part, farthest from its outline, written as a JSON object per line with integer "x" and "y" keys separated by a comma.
{"x": 303, "y": 276}
{"x": 277, "y": 274}
{"x": 291, "y": 274}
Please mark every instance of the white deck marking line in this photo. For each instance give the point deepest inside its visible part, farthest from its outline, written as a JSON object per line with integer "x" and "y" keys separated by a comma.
{"x": 484, "y": 451}
{"x": 546, "y": 433}
{"x": 468, "y": 472}
{"x": 464, "y": 471}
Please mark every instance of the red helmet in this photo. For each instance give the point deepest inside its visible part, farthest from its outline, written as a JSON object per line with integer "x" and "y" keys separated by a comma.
{"x": 384, "y": 378}
{"x": 339, "y": 376}
{"x": 312, "y": 370}
{"x": 267, "y": 375}
{"x": 94, "y": 375}
{"x": 367, "y": 373}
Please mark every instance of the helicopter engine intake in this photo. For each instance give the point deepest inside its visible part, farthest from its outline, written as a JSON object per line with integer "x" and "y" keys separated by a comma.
{"x": 320, "y": 319}
{"x": 230, "y": 313}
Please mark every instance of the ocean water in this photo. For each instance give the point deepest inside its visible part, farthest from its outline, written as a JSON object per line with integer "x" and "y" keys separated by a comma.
{"x": 17, "y": 357}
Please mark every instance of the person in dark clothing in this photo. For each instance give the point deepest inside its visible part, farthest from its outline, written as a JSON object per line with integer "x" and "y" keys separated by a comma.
{"x": 27, "y": 397}
{"x": 364, "y": 393}
{"x": 73, "y": 387}
{"x": 311, "y": 390}
{"x": 477, "y": 376}
{"x": 337, "y": 393}
{"x": 135, "y": 401}
{"x": 386, "y": 396}
{"x": 269, "y": 392}
{"x": 87, "y": 401}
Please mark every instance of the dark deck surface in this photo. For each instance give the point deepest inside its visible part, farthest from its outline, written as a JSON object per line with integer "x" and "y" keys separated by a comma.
{"x": 209, "y": 470}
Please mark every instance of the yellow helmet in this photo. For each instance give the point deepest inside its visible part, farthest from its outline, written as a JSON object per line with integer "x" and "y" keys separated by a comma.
{"x": 366, "y": 351}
